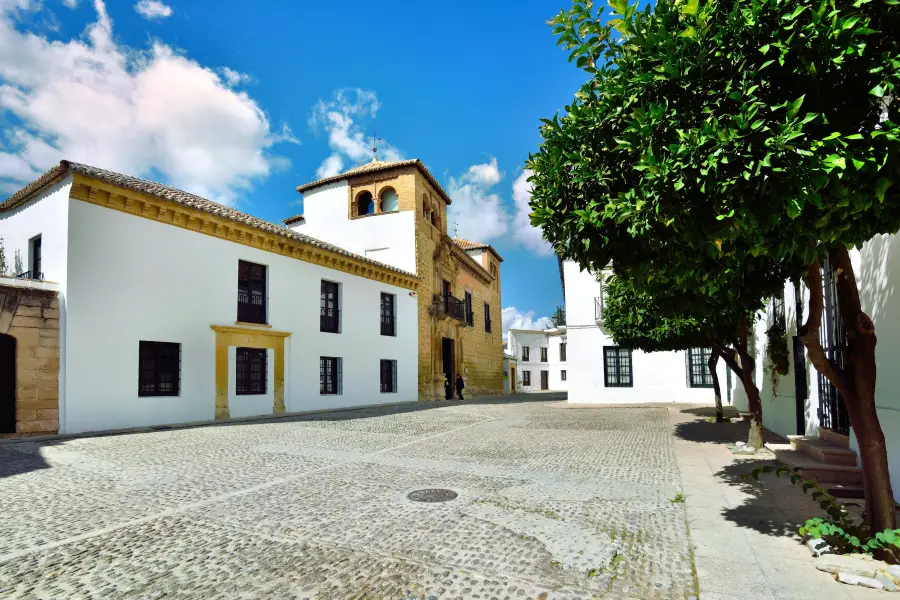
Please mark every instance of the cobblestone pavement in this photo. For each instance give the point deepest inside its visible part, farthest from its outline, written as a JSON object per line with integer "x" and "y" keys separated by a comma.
{"x": 551, "y": 504}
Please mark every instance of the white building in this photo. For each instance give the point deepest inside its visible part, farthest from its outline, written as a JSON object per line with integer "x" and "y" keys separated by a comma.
{"x": 175, "y": 309}
{"x": 600, "y": 372}
{"x": 541, "y": 359}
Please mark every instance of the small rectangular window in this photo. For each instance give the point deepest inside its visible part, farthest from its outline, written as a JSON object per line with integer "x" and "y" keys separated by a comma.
{"x": 159, "y": 368}
{"x": 330, "y": 314}
{"x": 330, "y": 376}
{"x": 388, "y": 376}
{"x": 36, "y": 268}
{"x": 617, "y": 367}
{"x": 562, "y": 352}
{"x": 470, "y": 314}
{"x": 251, "y": 292}
{"x": 526, "y": 377}
{"x": 388, "y": 315}
{"x": 525, "y": 352}
{"x": 544, "y": 354}
{"x": 698, "y": 368}
{"x": 487, "y": 317}
{"x": 562, "y": 375}
{"x": 250, "y": 371}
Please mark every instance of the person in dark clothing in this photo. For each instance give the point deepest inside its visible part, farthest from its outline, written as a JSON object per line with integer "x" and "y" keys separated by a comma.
{"x": 459, "y": 386}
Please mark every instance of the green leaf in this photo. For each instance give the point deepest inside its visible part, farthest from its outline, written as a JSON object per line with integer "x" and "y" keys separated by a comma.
{"x": 690, "y": 7}
{"x": 877, "y": 91}
{"x": 619, "y": 6}
{"x": 794, "y": 107}
{"x": 793, "y": 210}
{"x": 881, "y": 187}
{"x": 720, "y": 218}
{"x": 794, "y": 14}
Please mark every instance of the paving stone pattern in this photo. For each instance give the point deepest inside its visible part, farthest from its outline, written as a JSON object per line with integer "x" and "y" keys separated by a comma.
{"x": 552, "y": 504}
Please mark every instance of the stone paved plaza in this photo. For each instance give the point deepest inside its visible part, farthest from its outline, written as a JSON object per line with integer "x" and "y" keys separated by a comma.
{"x": 551, "y": 504}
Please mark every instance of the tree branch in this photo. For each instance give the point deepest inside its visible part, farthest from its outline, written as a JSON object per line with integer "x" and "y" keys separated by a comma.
{"x": 809, "y": 332}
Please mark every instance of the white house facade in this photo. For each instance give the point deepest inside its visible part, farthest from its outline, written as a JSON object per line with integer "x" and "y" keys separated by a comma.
{"x": 600, "y": 372}
{"x": 541, "y": 359}
{"x": 174, "y": 309}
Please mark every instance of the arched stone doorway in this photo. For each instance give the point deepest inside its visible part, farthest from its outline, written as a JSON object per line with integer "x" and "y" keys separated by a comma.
{"x": 7, "y": 384}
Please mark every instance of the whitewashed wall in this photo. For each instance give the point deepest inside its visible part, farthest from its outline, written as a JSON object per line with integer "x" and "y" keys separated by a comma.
{"x": 557, "y": 365}
{"x": 534, "y": 340}
{"x": 657, "y": 376}
{"x": 388, "y": 238}
{"x": 47, "y": 215}
{"x": 133, "y": 279}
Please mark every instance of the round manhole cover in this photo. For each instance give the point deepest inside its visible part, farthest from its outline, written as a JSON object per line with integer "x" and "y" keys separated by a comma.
{"x": 432, "y": 495}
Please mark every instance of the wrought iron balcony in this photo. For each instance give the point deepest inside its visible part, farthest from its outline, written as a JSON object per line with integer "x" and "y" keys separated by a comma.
{"x": 451, "y": 306}
{"x": 36, "y": 275}
{"x": 330, "y": 320}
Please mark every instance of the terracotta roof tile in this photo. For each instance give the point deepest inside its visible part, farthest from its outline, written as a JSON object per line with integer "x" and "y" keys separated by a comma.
{"x": 293, "y": 219}
{"x": 374, "y": 167}
{"x": 159, "y": 190}
{"x": 470, "y": 245}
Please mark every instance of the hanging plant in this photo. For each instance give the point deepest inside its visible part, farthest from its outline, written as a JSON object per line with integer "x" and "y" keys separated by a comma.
{"x": 777, "y": 353}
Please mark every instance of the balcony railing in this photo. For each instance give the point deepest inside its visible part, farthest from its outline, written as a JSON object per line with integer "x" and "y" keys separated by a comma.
{"x": 388, "y": 326}
{"x": 36, "y": 275}
{"x": 598, "y": 308}
{"x": 452, "y": 307}
{"x": 330, "y": 320}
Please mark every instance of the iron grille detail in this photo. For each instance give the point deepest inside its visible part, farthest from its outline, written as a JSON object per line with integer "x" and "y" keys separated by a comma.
{"x": 251, "y": 371}
{"x": 388, "y": 320}
{"x": 159, "y": 372}
{"x": 698, "y": 368}
{"x": 617, "y": 370}
{"x": 832, "y": 410}
{"x": 330, "y": 376}
{"x": 388, "y": 376}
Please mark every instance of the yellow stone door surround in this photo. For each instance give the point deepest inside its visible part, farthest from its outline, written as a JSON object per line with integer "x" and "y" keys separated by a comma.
{"x": 245, "y": 337}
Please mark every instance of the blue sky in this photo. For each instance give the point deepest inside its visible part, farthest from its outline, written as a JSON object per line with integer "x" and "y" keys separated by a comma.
{"x": 243, "y": 102}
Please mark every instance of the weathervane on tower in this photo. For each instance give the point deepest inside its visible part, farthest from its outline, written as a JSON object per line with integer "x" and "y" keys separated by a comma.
{"x": 375, "y": 141}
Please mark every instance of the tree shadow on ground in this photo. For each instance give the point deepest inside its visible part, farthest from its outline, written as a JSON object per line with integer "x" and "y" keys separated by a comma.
{"x": 704, "y": 431}
{"x": 23, "y": 457}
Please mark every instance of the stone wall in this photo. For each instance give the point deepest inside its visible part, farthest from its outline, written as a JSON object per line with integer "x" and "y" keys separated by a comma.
{"x": 29, "y": 312}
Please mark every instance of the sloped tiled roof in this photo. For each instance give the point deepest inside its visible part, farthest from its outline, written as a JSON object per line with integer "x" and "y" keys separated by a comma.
{"x": 159, "y": 190}
{"x": 293, "y": 219}
{"x": 470, "y": 245}
{"x": 374, "y": 167}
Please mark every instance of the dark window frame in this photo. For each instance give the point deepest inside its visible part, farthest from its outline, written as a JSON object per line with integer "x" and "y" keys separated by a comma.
{"x": 697, "y": 361}
{"x": 252, "y": 292}
{"x": 526, "y": 353}
{"x": 487, "y": 318}
{"x": 36, "y": 257}
{"x": 562, "y": 352}
{"x": 526, "y": 378}
{"x": 331, "y": 376}
{"x": 388, "y": 370}
{"x": 470, "y": 312}
{"x": 618, "y": 367}
{"x": 388, "y": 314}
{"x": 562, "y": 375}
{"x": 251, "y": 372}
{"x": 544, "y": 353}
{"x": 155, "y": 366}
{"x": 329, "y": 307}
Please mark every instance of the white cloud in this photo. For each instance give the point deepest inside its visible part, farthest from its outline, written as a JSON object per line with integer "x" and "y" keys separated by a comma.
{"x": 515, "y": 319}
{"x": 339, "y": 118}
{"x": 476, "y": 212}
{"x": 522, "y": 229}
{"x": 153, "y": 113}
{"x": 153, "y": 9}
{"x": 71, "y": 3}
{"x": 234, "y": 78}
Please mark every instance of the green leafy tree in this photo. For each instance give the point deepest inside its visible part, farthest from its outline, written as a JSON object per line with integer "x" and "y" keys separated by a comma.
{"x": 656, "y": 324}
{"x": 721, "y": 147}
{"x": 4, "y": 268}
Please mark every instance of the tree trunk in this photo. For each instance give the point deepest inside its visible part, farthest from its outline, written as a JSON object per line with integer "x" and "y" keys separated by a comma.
{"x": 859, "y": 377}
{"x": 744, "y": 371}
{"x": 713, "y": 361}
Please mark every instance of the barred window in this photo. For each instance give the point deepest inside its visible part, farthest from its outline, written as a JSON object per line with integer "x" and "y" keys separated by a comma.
{"x": 329, "y": 313}
{"x": 562, "y": 375}
{"x": 251, "y": 371}
{"x": 526, "y": 377}
{"x": 698, "y": 368}
{"x": 330, "y": 376}
{"x": 487, "y": 317}
{"x": 525, "y": 352}
{"x": 562, "y": 352}
{"x": 543, "y": 354}
{"x": 388, "y": 316}
{"x": 388, "y": 376}
{"x": 159, "y": 368}
{"x": 251, "y": 292}
{"x": 617, "y": 367}
{"x": 470, "y": 312}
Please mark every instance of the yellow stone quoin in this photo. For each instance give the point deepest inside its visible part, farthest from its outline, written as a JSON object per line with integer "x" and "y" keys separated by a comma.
{"x": 227, "y": 336}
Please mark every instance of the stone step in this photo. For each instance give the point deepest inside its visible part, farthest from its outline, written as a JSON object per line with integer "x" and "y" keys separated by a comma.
{"x": 823, "y": 450}
{"x": 813, "y": 469}
{"x": 846, "y": 491}
{"x": 838, "y": 439}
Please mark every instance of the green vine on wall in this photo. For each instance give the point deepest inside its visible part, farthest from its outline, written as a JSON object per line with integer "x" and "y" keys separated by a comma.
{"x": 777, "y": 356}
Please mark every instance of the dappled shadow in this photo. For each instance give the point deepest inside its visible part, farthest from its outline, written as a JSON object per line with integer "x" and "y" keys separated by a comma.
{"x": 717, "y": 433}
{"x": 23, "y": 456}
{"x": 710, "y": 411}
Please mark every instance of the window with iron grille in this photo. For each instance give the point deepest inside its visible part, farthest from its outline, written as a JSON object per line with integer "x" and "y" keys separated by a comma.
{"x": 698, "y": 368}
{"x": 832, "y": 409}
{"x": 562, "y": 375}
{"x": 36, "y": 258}
{"x": 251, "y": 292}
{"x": 251, "y": 371}
{"x": 388, "y": 376}
{"x": 543, "y": 355}
{"x": 159, "y": 368}
{"x": 617, "y": 367}
{"x": 330, "y": 314}
{"x": 562, "y": 352}
{"x": 388, "y": 316}
{"x": 526, "y": 377}
{"x": 487, "y": 317}
{"x": 330, "y": 376}
{"x": 525, "y": 352}
{"x": 470, "y": 314}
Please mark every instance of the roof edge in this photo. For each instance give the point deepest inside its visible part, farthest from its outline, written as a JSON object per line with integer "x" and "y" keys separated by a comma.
{"x": 413, "y": 162}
